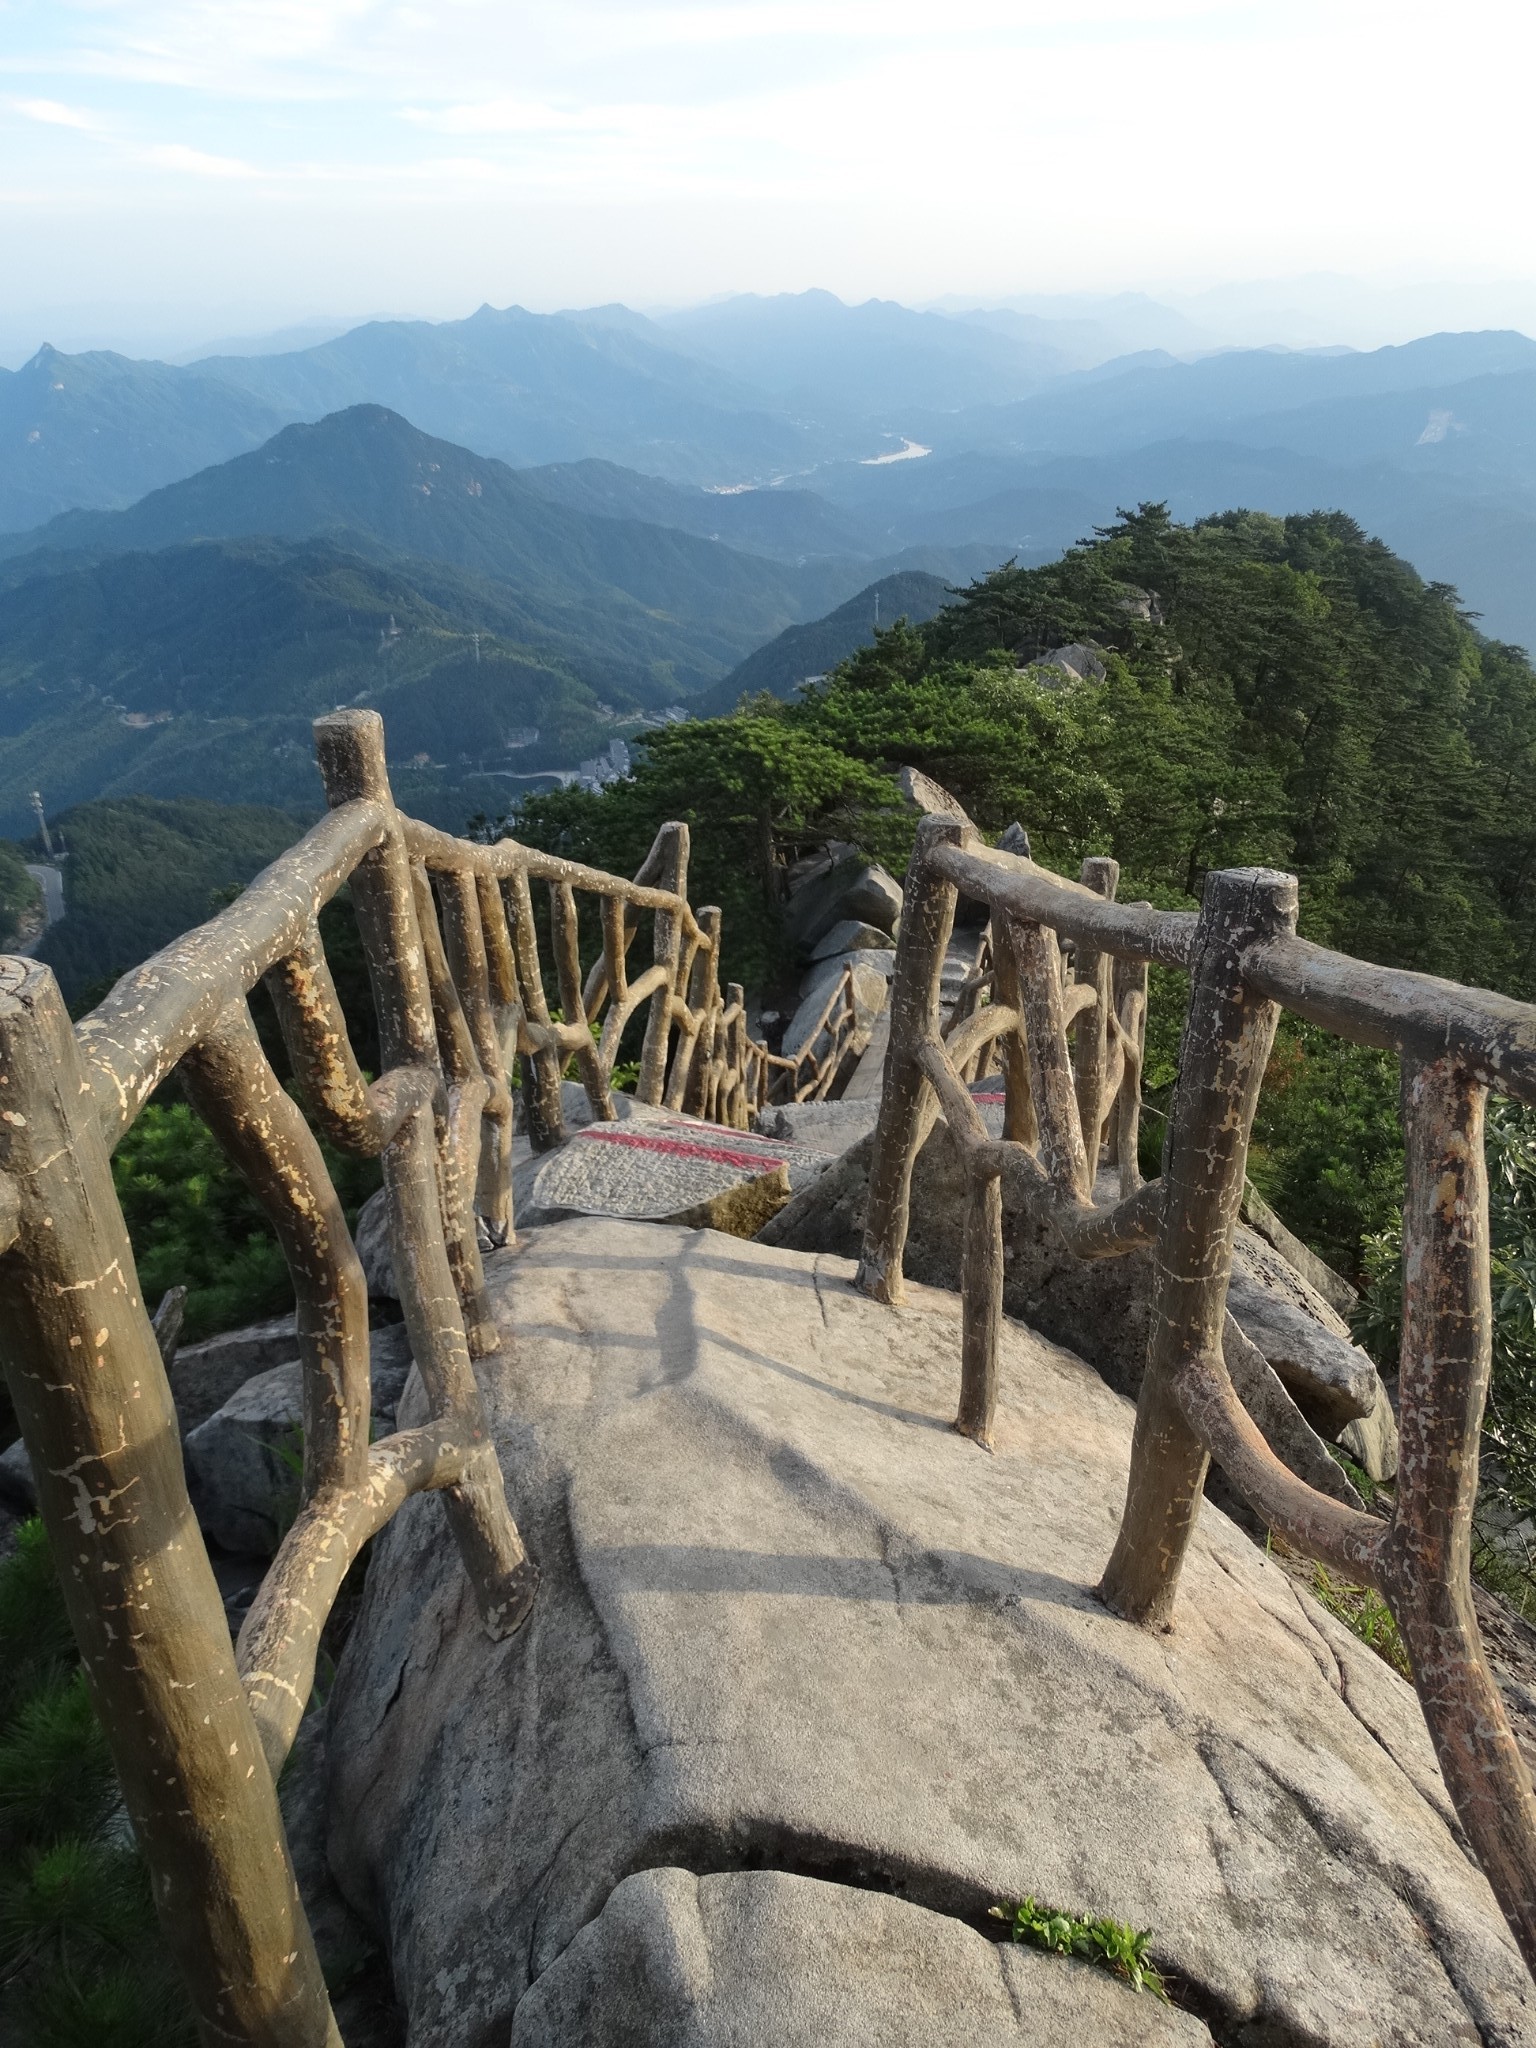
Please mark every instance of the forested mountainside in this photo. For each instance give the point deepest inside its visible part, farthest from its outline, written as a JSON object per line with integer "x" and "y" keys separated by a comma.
{"x": 800, "y": 652}
{"x": 1276, "y": 691}
{"x": 181, "y": 647}
{"x": 141, "y": 872}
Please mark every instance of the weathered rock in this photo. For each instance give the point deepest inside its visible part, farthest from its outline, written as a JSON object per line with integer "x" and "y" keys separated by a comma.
{"x": 656, "y": 1167}
{"x": 1099, "y": 1309}
{"x": 1079, "y": 661}
{"x": 851, "y": 937}
{"x": 241, "y": 1462}
{"x": 1340, "y": 1296}
{"x": 930, "y": 797}
{"x": 791, "y": 1623}
{"x": 868, "y": 1077}
{"x": 740, "y": 1211}
{"x": 203, "y": 1376}
{"x": 1371, "y": 1440}
{"x": 759, "y": 1956}
{"x": 828, "y": 1126}
{"x": 851, "y": 889}
{"x": 870, "y": 991}
{"x": 18, "y": 1489}
{"x": 1307, "y": 1342}
{"x": 822, "y": 976}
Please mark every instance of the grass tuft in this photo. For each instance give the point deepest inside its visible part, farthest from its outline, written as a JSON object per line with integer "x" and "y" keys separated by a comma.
{"x": 1366, "y": 1614}
{"x": 1112, "y": 1944}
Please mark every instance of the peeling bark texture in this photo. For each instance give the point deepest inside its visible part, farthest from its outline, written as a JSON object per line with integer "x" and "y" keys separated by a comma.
{"x": 261, "y": 1127}
{"x": 1228, "y": 1033}
{"x": 90, "y": 1390}
{"x": 1426, "y": 1559}
{"x": 672, "y": 846}
{"x": 927, "y": 919}
{"x": 1096, "y": 971}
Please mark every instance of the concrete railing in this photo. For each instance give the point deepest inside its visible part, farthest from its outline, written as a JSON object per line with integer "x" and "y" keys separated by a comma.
{"x": 198, "y": 1730}
{"x": 1066, "y": 1108}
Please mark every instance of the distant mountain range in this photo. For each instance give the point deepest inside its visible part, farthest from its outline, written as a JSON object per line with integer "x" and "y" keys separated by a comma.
{"x": 181, "y": 646}
{"x": 1036, "y": 427}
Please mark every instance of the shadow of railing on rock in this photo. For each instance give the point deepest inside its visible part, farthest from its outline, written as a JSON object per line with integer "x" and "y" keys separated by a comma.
{"x": 1067, "y": 1107}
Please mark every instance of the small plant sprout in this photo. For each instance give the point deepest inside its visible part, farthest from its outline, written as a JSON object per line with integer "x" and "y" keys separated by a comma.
{"x": 1112, "y": 1944}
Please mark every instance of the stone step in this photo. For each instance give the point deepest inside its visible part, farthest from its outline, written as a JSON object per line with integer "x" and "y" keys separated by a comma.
{"x": 655, "y": 1165}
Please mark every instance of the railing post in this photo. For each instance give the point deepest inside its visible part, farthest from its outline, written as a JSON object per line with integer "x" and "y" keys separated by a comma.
{"x": 1426, "y": 1559}
{"x": 927, "y": 919}
{"x": 95, "y": 1408}
{"x": 1095, "y": 970}
{"x": 1228, "y": 1033}
{"x": 672, "y": 875}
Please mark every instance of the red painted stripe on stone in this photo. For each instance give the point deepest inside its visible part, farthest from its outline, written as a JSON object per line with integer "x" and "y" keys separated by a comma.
{"x": 987, "y": 1098}
{"x": 680, "y": 1148}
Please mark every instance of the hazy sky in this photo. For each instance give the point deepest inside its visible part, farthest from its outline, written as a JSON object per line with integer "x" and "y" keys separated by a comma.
{"x": 182, "y": 168}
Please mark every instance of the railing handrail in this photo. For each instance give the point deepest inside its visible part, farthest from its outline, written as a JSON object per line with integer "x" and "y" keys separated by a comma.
{"x": 459, "y": 992}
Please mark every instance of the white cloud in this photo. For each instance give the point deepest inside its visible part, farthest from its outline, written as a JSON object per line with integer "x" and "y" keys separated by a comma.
{"x": 197, "y": 163}
{"x": 54, "y": 114}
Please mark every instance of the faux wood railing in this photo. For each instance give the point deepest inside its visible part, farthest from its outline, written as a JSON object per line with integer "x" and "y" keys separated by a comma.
{"x": 198, "y": 1732}
{"x": 1064, "y": 1114}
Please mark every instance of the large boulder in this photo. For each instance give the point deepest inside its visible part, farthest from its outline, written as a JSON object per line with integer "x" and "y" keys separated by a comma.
{"x": 850, "y": 889}
{"x": 203, "y": 1376}
{"x": 870, "y": 990}
{"x": 1099, "y": 1308}
{"x": 243, "y": 1463}
{"x": 762, "y": 1956}
{"x": 851, "y": 936}
{"x": 808, "y": 1672}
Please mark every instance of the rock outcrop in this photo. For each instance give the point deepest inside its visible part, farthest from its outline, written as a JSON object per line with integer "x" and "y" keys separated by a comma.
{"x": 811, "y": 1682}
{"x": 243, "y": 1462}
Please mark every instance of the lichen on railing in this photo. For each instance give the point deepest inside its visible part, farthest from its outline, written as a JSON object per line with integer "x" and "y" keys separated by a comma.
{"x": 1068, "y": 1107}
{"x": 198, "y": 1731}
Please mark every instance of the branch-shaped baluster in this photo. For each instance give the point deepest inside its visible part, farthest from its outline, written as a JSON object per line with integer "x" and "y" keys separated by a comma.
{"x": 907, "y": 1109}
{"x": 262, "y": 1129}
{"x": 981, "y": 1262}
{"x": 1128, "y": 1025}
{"x": 1426, "y": 1559}
{"x": 1227, "y": 1036}
{"x": 565, "y": 938}
{"x": 1050, "y": 1068}
{"x": 1095, "y": 971}
{"x": 1019, "y": 1124}
{"x": 701, "y": 1070}
{"x": 541, "y": 1061}
{"x": 609, "y": 978}
{"x": 693, "y": 1010}
{"x": 459, "y": 1143}
{"x": 464, "y": 938}
{"x": 669, "y": 853}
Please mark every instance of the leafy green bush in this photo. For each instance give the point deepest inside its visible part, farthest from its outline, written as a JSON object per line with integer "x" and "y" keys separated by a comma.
{"x": 1110, "y": 1943}
{"x": 82, "y": 1963}
{"x": 193, "y": 1222}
